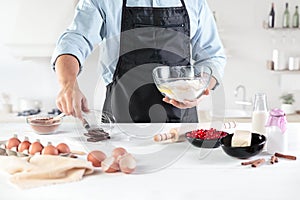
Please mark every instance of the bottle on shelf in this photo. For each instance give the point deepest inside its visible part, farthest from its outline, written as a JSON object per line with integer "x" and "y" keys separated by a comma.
{"x": 279, "y": 61}
{"x": 296, "y": 18}
{"x": 286, "y": 17}
{"x": 271, "y": 19}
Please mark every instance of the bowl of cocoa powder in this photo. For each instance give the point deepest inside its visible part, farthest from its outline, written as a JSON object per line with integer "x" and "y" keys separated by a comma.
{"x": 44, "y": 124}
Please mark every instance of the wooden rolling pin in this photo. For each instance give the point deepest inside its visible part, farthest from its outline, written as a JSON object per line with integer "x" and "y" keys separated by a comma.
{"x": 175, "y": 134}
{"x": 178, "y": 134}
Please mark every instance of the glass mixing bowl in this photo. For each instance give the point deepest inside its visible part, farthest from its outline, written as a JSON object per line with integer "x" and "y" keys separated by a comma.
{"x": 98, "y": 119}
{"x": 43, "y": 124}
{"x": 182, "y": 82}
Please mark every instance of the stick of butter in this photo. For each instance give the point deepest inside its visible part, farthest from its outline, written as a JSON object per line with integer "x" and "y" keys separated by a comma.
{"x": 241, "y": 138}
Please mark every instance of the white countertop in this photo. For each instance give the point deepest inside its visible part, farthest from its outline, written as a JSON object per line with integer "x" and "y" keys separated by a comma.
{"x": 14, "y": 118}
{"x": 178, "y": 171}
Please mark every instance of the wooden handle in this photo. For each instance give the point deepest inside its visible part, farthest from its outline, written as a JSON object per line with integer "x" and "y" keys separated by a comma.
{"x": 81, "y": 153}
{"x": 163, "y": 137}
{"x": 229, "y": 125}
{"x": 175, "y": 134}
{"x": 59, "y": 116}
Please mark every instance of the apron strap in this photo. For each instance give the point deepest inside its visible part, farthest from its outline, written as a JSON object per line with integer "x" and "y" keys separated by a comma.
{"x": 183, "y": 4}
{"x": 125, "y": 2}
{"x": 123, "y": 11}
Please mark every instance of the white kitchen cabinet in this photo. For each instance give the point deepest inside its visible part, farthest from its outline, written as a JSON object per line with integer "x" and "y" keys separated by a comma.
{"x": 30, "y": 28}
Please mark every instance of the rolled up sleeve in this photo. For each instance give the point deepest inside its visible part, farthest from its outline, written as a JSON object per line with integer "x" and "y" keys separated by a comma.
{"x": 207, "y": 48}
{"x": 82, "y": 35}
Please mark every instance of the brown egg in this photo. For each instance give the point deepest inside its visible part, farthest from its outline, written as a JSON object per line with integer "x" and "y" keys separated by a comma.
{"x": 63, "y": 148}
{"x": 36, "y": 147}
{"x": 127, "y": 163}
{"x": 49, "y": 150}
{"x": 24, "y": 146}
{"x": 110, "y": 165}
{"x": 13, "y": 142}
{"x": 96, "y": 157}
{"x": 118, "y": 152}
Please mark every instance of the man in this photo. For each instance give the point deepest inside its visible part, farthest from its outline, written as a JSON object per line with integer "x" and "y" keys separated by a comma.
{"x": 135, "y": 36}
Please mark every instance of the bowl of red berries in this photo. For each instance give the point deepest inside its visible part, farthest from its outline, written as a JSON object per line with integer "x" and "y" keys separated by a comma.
{"x": 205, "y": 138}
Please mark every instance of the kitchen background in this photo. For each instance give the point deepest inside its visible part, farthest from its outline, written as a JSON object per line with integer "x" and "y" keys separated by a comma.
{"x": 29, "y": 30}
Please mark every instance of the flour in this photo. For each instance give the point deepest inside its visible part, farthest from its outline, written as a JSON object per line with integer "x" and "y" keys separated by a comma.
{"x": 183, "y": 89}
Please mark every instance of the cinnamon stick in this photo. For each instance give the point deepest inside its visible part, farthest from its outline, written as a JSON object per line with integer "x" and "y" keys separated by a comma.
{"x": 285, "y": 156}
{"x": 259, "y": 162}
{"x": 274, "y": 159}
{"x": 250, "y": 162}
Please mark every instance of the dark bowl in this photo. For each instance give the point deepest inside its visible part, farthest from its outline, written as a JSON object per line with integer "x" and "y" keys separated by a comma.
{"x": 206, "y": 143}
{"x": 257, "y": 144}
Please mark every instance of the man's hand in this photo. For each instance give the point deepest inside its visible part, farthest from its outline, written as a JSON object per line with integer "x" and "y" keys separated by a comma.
{"x": 185, "y": 104}
{"x": 71, "y": 101}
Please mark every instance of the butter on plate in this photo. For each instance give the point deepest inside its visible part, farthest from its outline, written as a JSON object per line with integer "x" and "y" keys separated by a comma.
{"x": 241, "y": 138}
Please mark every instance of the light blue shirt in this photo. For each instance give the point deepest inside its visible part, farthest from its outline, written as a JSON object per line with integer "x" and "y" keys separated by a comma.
{"x": 98, "y": 22}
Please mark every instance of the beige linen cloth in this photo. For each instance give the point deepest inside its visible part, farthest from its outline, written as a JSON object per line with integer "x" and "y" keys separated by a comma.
{"x": 41, "y": 170}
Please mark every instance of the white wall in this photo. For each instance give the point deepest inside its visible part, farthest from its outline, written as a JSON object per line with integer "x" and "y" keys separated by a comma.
{"x": 35, "y": 79}
{"x": 240, "y": 22}
{"x": 31, "y": 28}
{"x": 34, "y": 21}
{"x": 250, "y": 46}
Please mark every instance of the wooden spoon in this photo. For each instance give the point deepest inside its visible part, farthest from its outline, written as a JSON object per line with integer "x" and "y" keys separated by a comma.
{"x": 56, "y": 118}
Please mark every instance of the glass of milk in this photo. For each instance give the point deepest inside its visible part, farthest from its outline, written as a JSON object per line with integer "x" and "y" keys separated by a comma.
{"x": 260, "y": 113}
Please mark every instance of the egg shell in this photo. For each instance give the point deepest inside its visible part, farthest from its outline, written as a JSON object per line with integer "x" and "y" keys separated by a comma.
{"x": 50, "y": 150}
{"x": 63, "y": 148}
{"x": 118, "y": 152}
{"x": 110, "y": 165}
{"x": 24, "y": 145}
{"x": 127, "y": 164}
{"x": 36, "y": 148}
{"x": 96, "y": 157}
{"x": 13, "y": 142}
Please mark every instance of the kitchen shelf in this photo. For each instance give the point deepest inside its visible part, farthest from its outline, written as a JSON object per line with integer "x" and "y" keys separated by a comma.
{"x": 289, "y": 72}
{"x": 282, "y": 29}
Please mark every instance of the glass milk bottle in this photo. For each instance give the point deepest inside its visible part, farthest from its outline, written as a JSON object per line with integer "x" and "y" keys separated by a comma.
{"x": 276, "y": 132}
{"x": 260, "y": 114}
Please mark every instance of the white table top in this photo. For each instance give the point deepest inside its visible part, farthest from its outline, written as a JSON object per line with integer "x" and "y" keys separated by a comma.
{"x": 176, "y": 171}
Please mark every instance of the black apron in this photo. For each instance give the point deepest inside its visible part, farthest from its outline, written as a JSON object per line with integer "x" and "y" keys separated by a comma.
{"x": 150, "y": 37}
